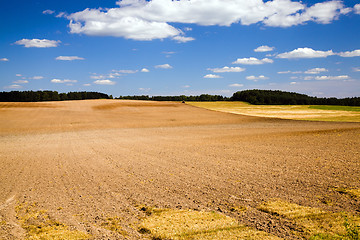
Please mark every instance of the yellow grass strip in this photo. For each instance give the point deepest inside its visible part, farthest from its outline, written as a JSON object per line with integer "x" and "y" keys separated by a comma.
{"x": 189, "y": 224}
{"x": 297, "y": 112}
{"x": 317, "y": 224}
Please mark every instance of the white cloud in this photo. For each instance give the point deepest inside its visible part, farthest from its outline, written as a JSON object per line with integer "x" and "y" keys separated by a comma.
{"x": 104, "y": 82}
{"x": 309, "y": 78}
{"x": 145, "y": 89}
{"x": 14, "y": 86}
{"x": 236, "y": 85}
{"x": 183, "y": 39}
{"x": 125, "y": 71}
{"x": 252, "y": 61}
{"x": 357, "y": 8}
{"x": 38, "y": 43}
{"x": 264, "y": 48}
{"x": 37, "y": 77}
{"x": 316, "y": 70}
{"x": 18, "y": 75}
{"x": 356, "y": 69}
{"x": 293, "y": 83}
{"x": 186, "y": 86}
{"x": 4, "y": 59}
{"x": 261, "y": 77}
{"x": 55, "y": 80}
{"x": 306, "y": 53}
{"x": 226, "y": 69}
{"x": 61, "y": 14}
{"x": 284, "y": 72}
{"x": 164, "y": 66}
{"x": 69, "y": 58}
{"x": 148, "y": 20}
{"x": 48, "y": 12}
{"x": 341, "y": 77}
{"x": 355, "y": 53}
{"x": 212, "y": 76}
{"x": 145, "y": 70}
{"x": 86, "y": 84}
{"x": 20, "y": 81}
{"x": 294, "y": 78}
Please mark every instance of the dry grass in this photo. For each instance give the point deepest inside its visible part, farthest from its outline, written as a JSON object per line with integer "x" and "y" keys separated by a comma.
{"x": 354, "y": 193}
{"x": 39, "y": 225}
{"x": 299, "y": 112}
{"x": 317, "y": 224}
{"x": 188, "y": 224}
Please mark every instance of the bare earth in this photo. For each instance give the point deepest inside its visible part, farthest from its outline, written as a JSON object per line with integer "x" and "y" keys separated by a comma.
{"x": 86, "y": 162}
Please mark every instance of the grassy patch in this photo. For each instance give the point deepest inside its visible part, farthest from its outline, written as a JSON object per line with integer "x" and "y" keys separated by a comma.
{"x": 189, "y": 224}
{"x": 300, "y": 112}
{"x": 114, "y": 224}
{"x": 354, "y": 193}
{"x": 39, "y": 225}
{"x": 336, "y": 108}
{"x": 317, "y": 224}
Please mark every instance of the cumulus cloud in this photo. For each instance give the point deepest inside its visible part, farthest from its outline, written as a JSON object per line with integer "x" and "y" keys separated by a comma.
{"x": 87, "y": 85}
{"x": 306, "y": 53}
{"x": 252, "y": 61}
{"x": 355, "y": 53}
{"x": 356, "y": 69}
{"x": 164, "y": 66}
{"x": 236, "y": 85}
{"x": 226, "y": 69}
{"x": 148, "y": 20}
{"x": 357, "y": 8}
{"x": 145, "y": 70}
{"x": 212, "y": 76}
{"x": 69, "y": 58}
{"x": 261, "y": 77}
{"x": 38, "y": 43}
{"x": 316, "y": 70}
{"x": 104, "y": 82}
{"x": 4, "y": 59}
{"x": 21, "y": 81}
{"x": 264, "y": 48}
{"x": 48, "y": 11}
{"x": 55, "y": 80}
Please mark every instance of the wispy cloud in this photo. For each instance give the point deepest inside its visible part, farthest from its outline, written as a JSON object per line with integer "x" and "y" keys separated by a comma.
{"x": 21, "y": 81}
{"x": 48, "y": 12}
{"x": 4, "y": 59}
{"x": 236, "y": 85}
{"x": 252, "y": 61}
{"x": 68, "y": 58}
{"x": 316, "y": 70}
{"x": 226, "y": 69}
{"x": 37, "y": 77}
{"x": 55, "y": 80}
{"x": 255, "y": 78}
{"x": 356, "y": 69}
{"x": 104, "y": 82}
{"x": 264, "y": 48}
{"x": 164, "y": 66}
{"x": 14, "y": 86}
{"x": 38, "y": 43}
{"x": 212, "y": 76}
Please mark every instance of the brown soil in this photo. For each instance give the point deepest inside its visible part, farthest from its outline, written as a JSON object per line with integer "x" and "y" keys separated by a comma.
{"x": 86, "y": 162}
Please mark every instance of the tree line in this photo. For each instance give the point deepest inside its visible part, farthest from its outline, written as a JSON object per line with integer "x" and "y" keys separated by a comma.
{"x": 257, "y": 97}
{"x": 276, "y": 97}
{"x": 200, "y": 98}
{"x": 37, "y": 96}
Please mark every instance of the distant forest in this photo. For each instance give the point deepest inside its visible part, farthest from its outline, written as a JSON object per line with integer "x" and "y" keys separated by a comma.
{"x": 270, "y": 97}
{"x": 201, "y": 98}
{"x": 31, "y": 96}
{"x": 257, "y": 97}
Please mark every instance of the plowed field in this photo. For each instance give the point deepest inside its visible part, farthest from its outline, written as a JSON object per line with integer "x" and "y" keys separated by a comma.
{"x": 89, "y": 167}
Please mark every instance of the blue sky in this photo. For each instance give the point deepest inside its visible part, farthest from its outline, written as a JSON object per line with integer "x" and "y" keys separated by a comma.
{"x": 190, "y": 47}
